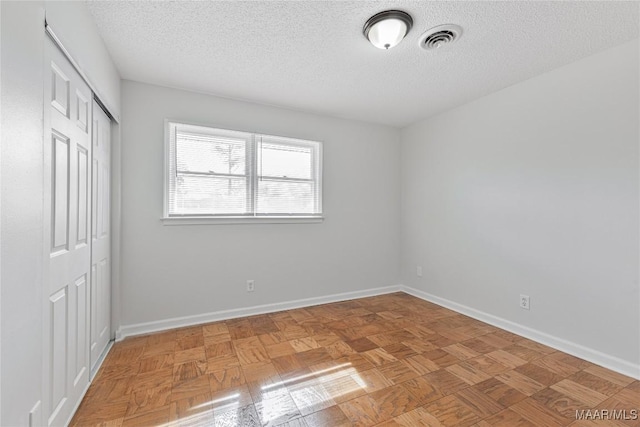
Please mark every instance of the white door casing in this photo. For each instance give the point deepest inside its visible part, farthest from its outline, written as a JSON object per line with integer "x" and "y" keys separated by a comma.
{"x": 100, "y": 235}
{"x": 67, "y": 244}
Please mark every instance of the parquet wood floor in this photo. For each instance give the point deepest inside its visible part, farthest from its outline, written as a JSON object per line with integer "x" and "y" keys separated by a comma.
{"x": 391, "y": 360}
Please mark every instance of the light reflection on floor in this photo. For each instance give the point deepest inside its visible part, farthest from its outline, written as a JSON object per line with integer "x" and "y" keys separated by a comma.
{"x": 308, "y": 391}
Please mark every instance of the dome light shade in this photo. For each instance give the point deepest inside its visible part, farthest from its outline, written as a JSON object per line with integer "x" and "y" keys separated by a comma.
{"x": 386, "y": 29}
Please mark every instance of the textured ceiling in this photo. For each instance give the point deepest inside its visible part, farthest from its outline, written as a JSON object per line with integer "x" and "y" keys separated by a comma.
{"x": 312, "y": 56}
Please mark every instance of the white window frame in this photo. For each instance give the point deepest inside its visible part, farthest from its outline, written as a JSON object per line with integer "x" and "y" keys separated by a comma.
{"x": 252, "y": 171}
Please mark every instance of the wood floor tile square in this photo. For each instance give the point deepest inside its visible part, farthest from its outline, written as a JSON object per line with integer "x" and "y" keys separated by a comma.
{"x": 460, "y": 351}
{"x": 373, "y": 380}
{"x": 221, "y": 362}
{"x": 467, "y": 373}
{"x": 109, "y": 391}
{"x": 183, "y": 389}
{"x": 379, "y": 357}
{"x": 190, "y": 341}
{"x": 538, "y": 414}
{"x": 188, "y": 331}
{"x": 272, "y": 338}
{"x": 332, "y": 416}
{"x": 362, "y": 411}
{"x": 261, "y": 371}
{"x": 339, "y": 349}
{"x": 451, "y": 411}
{"x": 539, "y": 374}
{"x": 524, "y": 353}
{"x": 92, "y": 413}
{"x": 495, "y": 340}
{"x": 189, "y": 370}
{"x": 420, "y": 364}
{"x": 310, "y": 396}
{"x": 419, "y": 346}
{"x": 398, "y": 372}
{"x": 479, "y": 346}
{"x": 159, "y": 417}
{"x": 114, "y": 372}
{"x": 196, "y": 353}
{"x": 480, "y": 403}
{"x": 192, "y": 411}
{"x": 441, "y": 358}
{"x": 520, "y": 382}
{"x": 579, "y": 392}
{"x": 596, "y": 383}
{"x": 151, "y": 380}
{"x": 162, "y": 347}
{"x": 155, "y": 362}
{"x": 239, "y": 329}
{"x": 233, "y": 397}
{"x": 279, "y": 349}
{"x": 245, "y": 416}
{"x": 509, "y": 418}
{"x": 609, "y": 375}
{"x": 439, "y": 340}
{"x": 536, "y": 346}
{"x": 313, "y": 357}
{"x": 445, "y": 382}
{"x": 559, "y": 402}
{"x": 304, "y": 344}
{"x": 500, "y": 392}
{"x": 287, "y": 363}
{"x": 214, "y": 329}
{"x": 630, "y": 397}
{"x": 634, "y": 386}
{"x": 506, "y": 359}
{"x": 395, "y": 400}
{"x": 221, "y": 349}
{"x": 250, "y": 350}
{"x": 362, "y": 344}
{"x": 423, "y": 389}
{"x": 488, "y": 365}
{"x": 400, "y": 351}
{"x": 419, "y": 417}
{"x": 226, "y": 378}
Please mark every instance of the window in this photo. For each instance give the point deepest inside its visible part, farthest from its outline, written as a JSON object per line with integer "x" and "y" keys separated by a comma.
{"x": 223, "y": 173}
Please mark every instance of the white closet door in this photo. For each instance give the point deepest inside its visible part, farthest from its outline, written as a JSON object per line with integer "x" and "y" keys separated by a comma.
{"x": 100, "y": 235}
{"x": 67, "y": 157}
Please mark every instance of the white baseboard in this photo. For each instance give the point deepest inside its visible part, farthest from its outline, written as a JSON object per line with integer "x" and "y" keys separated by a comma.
{"x": 179, "y": 322}
{"x": 594, "y": 356}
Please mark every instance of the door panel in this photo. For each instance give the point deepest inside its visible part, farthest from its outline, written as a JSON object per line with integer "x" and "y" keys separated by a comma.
{"x": 100, "y": 237}
{"x": 67, "y": 150}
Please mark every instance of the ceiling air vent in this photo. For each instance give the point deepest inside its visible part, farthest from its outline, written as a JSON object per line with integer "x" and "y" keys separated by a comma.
{"x": 438, "y": 36}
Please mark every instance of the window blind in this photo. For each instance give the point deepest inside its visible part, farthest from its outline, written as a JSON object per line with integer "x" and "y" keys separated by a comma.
{"x": 217, "y": 172}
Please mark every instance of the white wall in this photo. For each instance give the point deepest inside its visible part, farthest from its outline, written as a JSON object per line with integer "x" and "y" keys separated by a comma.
{"x": 21, "y": 218}
{"x": 534, "y": 190}
{"x": 173, "y": 271}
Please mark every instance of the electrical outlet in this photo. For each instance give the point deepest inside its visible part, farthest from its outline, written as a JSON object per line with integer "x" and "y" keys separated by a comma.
{"x": 419, "y": 271}
{"x": 251, "y": 285}
{"x": 524, "y": 302}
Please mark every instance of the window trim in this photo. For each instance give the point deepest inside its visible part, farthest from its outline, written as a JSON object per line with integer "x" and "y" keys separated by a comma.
{"x": 249, "y": 218}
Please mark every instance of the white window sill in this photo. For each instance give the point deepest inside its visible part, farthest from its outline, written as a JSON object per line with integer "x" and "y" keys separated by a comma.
{"x": 209, "y": 220}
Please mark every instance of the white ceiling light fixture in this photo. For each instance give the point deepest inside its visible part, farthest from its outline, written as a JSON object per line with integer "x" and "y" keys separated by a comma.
{"x": 386, "y": 29}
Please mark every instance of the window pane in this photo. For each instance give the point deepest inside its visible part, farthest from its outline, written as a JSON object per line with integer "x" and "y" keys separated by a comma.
{"x": 210, "y": 195}
{"x": 286, "y": 161}
{"x": 285, "y": 197}
{"x": 210, "y": 154}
